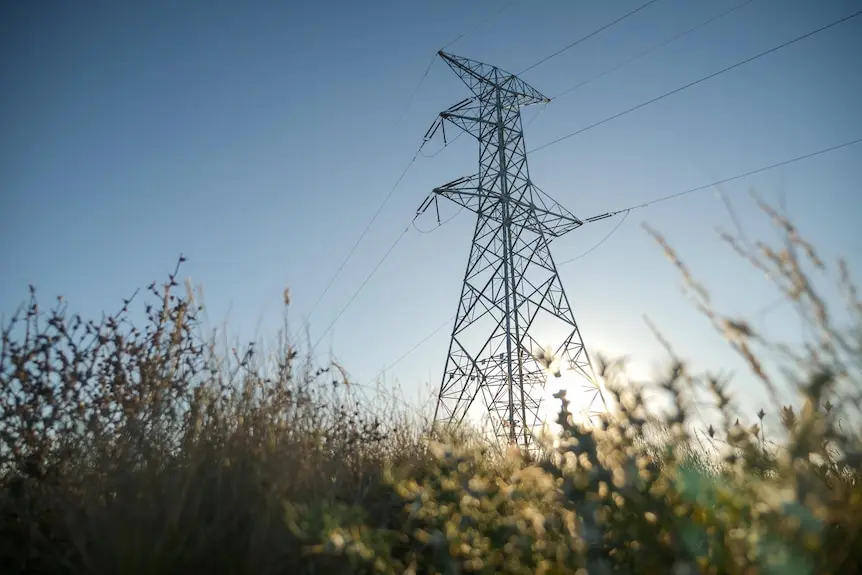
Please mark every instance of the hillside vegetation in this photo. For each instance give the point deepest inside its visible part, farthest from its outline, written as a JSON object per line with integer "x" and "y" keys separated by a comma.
{"x": 151, "y": 449}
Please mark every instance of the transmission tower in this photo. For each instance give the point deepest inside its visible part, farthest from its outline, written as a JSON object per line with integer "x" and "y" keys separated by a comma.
{"x": 514, "y": 324}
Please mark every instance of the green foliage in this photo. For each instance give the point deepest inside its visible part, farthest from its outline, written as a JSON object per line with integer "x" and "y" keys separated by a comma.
{"x": 126, "y": 450}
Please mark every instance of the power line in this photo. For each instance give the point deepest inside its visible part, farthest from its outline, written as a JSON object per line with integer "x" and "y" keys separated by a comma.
{"x": 360, "y": 288}
{"x": 409, "y": 165}
{"x": 425, "y": 75}
{"x": 415, "y": 347}
{"x": 738, "y": 177}
{"x": 416, "y": 91}
{"x": 362, "y": 235}
{"x": 439, "y": 224}
{"x": 653, "y": 49}
{"x": 451, "y": 42}
{"x": 626, "y": 211}
{"x": 598, "y": 245}
{"x": 535, "y": 117}
{"x": 696, "y": 82}
{"x": 587, "y": 37}
{"x": 445, "y": 145}
{"x": 449, "y": 320}
{"x": 651, "y": 202}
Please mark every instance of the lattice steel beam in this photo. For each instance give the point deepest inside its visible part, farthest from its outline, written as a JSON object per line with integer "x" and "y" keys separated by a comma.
{"x": 512, "y": 300}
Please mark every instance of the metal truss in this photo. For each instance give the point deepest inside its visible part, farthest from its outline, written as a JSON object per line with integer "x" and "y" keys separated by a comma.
{"x": 514, "y": 323}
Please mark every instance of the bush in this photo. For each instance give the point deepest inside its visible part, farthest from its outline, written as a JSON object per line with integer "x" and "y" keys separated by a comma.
{"x": 126, "y": 450}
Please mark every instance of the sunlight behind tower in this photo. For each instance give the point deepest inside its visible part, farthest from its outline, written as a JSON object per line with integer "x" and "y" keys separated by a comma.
{"x": 512, "y": 297}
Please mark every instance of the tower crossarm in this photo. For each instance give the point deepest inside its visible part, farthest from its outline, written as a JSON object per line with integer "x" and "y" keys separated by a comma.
{"x": 534, "y": 209}
{"x": 467, "y": 115}
{"x": 555, "y": 219}
{"x": 479, "y": 77}
{"x": 456, "y": 118}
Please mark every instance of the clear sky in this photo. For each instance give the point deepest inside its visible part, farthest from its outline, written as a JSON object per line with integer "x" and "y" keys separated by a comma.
{"x": 258, "y": 138}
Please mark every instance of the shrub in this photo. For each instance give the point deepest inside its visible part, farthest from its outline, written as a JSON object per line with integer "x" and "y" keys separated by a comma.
{"x": 606, "y": 500}
{"x": 126, "y": 449}
{"x": 152, "y": 450}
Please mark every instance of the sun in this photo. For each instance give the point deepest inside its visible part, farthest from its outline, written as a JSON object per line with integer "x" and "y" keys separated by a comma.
{"x": 581, "y": 395}
{"x": 581, "y": 400}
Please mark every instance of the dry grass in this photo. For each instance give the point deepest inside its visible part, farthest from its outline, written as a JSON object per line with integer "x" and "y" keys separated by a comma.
{"x": 129, "y": 449}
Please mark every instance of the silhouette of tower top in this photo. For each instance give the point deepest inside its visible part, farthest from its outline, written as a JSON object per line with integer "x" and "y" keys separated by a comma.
{"x": 514, "y": 325}
{"x": 479, "y": 77}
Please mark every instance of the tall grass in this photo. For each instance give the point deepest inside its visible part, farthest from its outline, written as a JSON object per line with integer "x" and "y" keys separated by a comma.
{"x": 150, "y": 449}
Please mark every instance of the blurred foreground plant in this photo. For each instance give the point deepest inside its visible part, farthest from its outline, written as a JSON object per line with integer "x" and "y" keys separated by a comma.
{"x": 605, "y": 500}
{"x": 152, "y": 450}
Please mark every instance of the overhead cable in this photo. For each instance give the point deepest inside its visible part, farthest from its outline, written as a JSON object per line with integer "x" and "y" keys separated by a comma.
{"x": 362, "y": 235}
{"x": 598, "y": 245}
{"x": 360, "y": 288}
{"x": 587, "y": 37}
{"x": 434, "y": 57}
{"x": 416, "y": 90}
{"x": 733, "y": 178}
{"x": 698, "y": 81}
{"x": 628, "y": 210}
{"x": 412, "y": 161}
{"x": 415, "y": 347}
{"x": 653, "y": 49}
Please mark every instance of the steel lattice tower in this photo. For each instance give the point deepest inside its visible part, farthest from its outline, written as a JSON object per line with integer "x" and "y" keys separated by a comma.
{"x": 513, "y": 306}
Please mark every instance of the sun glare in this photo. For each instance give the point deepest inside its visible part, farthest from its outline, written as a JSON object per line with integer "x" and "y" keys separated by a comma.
{"x": 581, "y": 394}
{"x": 577, "y": 394}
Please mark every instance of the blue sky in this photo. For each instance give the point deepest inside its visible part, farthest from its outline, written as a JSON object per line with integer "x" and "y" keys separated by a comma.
{"x": 259, "y": 138}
